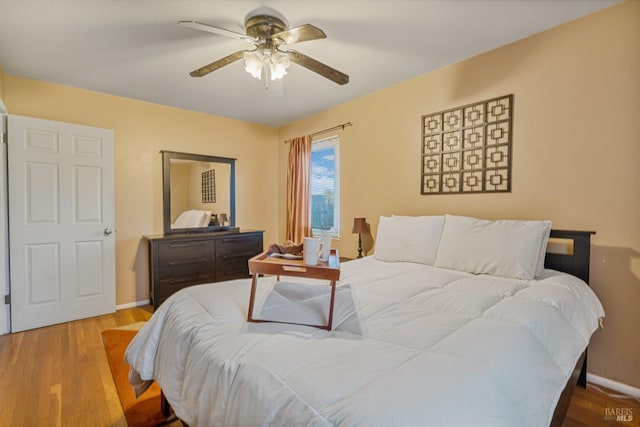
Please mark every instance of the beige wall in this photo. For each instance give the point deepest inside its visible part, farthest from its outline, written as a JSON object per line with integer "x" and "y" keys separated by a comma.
{"x": 141, "y": 130}
{"x": 222, "y": 175}
{"x": 1, "y": 83}
{"x": 179, "y": 179}
{"x": 576, "y": 152}
{"x": 186, "y": 187}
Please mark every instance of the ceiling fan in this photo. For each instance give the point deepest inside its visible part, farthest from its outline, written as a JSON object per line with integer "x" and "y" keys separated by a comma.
{"x": 271, "y": 56}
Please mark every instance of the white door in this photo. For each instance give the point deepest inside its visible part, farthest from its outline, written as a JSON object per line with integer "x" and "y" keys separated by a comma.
{"x": 4, "y": 246}
{"x": 61, "y": 221}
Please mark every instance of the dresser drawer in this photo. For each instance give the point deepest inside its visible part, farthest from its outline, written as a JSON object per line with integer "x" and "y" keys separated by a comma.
{"x": 229, "y": 270}
{"x": 168, "y": 287}
{"x": 232, "y": 256}
{"x": 186, "y": 260}
{"x": 237, "y": 248}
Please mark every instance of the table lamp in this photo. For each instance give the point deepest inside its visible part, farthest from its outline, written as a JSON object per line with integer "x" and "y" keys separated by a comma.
{"x": 222, "y": 218}
{"x": 359, "y": 226}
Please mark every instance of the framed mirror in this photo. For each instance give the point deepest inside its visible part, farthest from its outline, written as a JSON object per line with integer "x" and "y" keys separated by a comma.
{"x": 198, "y": 192}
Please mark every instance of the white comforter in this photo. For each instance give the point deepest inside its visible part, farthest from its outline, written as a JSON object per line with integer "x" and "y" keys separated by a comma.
{"x": 412, "y": 345}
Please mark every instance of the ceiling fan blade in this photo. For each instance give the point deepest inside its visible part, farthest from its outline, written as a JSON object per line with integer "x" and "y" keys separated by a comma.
{"x": 203, "y": 71}
{"x": 318, "y": 67}
{"x": 215, "y": 30}
{"x": 299, "y": 34}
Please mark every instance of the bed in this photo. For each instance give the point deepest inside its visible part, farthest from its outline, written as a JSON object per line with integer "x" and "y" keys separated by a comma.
{"x": 453, "y": 321}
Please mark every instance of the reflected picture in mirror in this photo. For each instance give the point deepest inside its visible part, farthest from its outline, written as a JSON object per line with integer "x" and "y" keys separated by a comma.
{"x": 209, "y": 186}
{"x": 198, "y": 190}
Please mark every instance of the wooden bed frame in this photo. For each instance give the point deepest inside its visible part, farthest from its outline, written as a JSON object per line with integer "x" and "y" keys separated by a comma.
{"x": 574, "y": 262}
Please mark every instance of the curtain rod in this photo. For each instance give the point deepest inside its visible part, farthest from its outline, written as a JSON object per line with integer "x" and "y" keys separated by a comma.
{"x": 342, "y": 126}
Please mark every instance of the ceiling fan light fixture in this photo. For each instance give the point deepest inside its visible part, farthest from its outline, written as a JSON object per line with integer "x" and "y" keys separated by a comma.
{"x": 273, "y": 65}
{"x": 253, "y": 63}
{"x": 279, "y": 63}
{"x": 268, "y": 61}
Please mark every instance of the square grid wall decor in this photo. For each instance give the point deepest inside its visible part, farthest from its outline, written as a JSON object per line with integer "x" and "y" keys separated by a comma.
{"x": 209, "y": 186}
{"x": 468, "y": 149}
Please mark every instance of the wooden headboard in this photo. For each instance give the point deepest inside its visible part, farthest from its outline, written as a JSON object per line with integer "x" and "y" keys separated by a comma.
{"x": 576, "y": 261}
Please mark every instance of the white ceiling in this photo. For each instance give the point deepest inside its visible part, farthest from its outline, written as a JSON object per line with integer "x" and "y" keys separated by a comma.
{"x": 135, "y": 49}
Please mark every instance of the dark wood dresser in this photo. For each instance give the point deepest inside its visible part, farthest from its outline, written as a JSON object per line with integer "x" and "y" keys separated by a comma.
{"x": 180, "y": 260}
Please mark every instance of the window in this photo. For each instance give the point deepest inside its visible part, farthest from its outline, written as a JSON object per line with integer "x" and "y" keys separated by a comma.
{"x": 325, "y": 187}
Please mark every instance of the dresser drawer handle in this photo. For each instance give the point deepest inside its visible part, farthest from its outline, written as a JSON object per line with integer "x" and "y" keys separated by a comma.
{"x": 237, "y": 240}
{"x": 190, "y": 279}
{"x": 188, "y": 261}
{"x": 186, "y": 244}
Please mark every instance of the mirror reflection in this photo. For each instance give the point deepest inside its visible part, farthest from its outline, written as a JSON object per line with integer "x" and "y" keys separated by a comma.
{"x": 201, "y": 187}
{"x": 198, "y": 192}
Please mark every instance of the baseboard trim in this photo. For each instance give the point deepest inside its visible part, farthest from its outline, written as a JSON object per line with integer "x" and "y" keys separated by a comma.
{"x": 133, "y": 304}
{"x": 614, "y": 385}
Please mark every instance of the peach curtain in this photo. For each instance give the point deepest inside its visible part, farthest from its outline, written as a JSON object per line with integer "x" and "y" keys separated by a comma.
{"x": 298, "y": 189}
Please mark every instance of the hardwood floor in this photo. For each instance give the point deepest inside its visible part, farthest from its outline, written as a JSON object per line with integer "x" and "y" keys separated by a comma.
{"x": 59, "y": 376}
{"x": 591, "y": 408}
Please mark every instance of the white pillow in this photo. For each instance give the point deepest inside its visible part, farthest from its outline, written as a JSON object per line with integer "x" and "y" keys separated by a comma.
{"x": 193, "y": 218}
{"x": 206, "y": 218}
{"x": 183, "y": 219}
{"x": 501, "y": 248}
{"x": 543, "y": 250}
{"x": 200, "y": 218}
{"x": 409, "y": 239}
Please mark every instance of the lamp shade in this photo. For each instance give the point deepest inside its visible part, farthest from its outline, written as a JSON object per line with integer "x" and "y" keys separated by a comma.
{"x": 223, "y": 218}
{"x": 278, "y": 64}
{"x": 271, "y": 64}
{"x": 253, "y": 62}
{"x": 359, "y": 226}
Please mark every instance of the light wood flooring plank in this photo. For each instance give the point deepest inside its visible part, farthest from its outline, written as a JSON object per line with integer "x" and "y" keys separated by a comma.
{"x": 591, "y": 408}
{"x": 59, "y": 375}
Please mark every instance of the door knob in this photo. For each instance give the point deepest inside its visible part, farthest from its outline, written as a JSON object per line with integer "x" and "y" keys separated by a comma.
{"x": 107, "y": 231}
